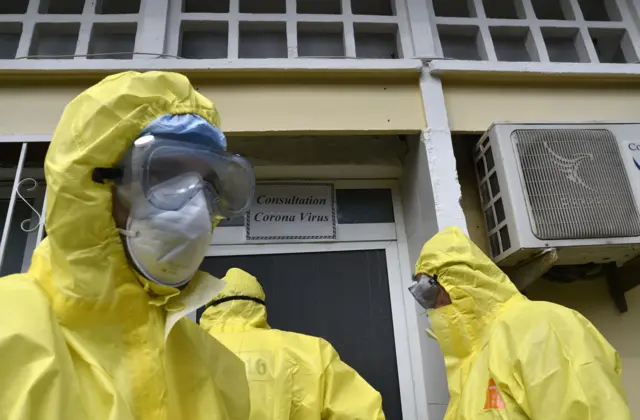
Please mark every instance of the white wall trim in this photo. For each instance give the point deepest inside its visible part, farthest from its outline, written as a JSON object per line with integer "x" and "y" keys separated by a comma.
{"x": 406, "y": 370}
{"x": 25, "y": 138}
{"x": 445, "y": 68}
{"x": 142, "y": 64}
{"x": 442, "y": 162}
{"x": 324, "y": 172}
{"x": 436, "y": 143}
{"x": 359, "y": 232}
{"x": 273, "y": 249}
{"x": 437, "y": 136}
{"x": 411, "y": 320}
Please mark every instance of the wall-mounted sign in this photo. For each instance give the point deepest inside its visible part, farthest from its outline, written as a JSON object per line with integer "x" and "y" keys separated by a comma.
{"x": 292, "y": 211}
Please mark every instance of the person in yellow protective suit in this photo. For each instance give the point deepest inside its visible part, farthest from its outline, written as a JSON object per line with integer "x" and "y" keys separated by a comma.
{"x": 96, "y": 329}
{"x": 291, "y": 376}
{"x": 508, "y": 357}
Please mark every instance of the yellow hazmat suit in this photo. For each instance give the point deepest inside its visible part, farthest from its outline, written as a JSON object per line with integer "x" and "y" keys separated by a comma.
{"x": 291, "y": 376}
{"x": 82, "y": 335}
{"x": 510, "y": 358}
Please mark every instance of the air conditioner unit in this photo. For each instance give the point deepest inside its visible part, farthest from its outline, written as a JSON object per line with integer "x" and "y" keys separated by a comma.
{"x": 573, "y": 187}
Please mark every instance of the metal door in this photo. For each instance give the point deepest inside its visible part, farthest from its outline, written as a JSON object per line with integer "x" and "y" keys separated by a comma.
{"x": 340, "y": 296}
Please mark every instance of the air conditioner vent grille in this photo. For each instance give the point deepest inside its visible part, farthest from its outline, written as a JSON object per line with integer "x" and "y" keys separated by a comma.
{"x": 575, "y": 184}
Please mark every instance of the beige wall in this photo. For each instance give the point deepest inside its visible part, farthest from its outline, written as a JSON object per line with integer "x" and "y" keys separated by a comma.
{"x": 472, "y": 108}
{"x": 291, "y": 107}
{"x": 591, "y": 298}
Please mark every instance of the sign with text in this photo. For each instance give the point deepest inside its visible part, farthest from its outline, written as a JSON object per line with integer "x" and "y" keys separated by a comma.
{"x": 292, "y": 211}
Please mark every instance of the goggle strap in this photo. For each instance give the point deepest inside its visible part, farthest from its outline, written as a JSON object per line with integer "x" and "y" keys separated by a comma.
{"x": 99, "y": 175}
{"x": 230, "y": 298}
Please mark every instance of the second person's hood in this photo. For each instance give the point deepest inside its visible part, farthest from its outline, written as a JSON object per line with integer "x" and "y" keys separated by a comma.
{"x": 477, "y": 287}
{"x": 237, "y": 307}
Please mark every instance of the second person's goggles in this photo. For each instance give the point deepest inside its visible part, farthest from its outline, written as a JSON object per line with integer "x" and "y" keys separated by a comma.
{"x": 171, "y": 172}
{"x": 425, "y": 290}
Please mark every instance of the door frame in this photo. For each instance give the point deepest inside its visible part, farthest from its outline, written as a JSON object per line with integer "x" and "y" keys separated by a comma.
{"x": 361, "y": 237}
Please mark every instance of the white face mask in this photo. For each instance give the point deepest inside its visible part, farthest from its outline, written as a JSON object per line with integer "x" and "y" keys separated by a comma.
{"x": 167, "y": 247}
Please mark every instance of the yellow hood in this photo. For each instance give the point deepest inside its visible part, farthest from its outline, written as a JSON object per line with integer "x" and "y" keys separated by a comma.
{"x": 83, "y": 255}
{"x": 236, "y": 315}
{"x": 511, "y": 358}
{"x": 479, "y": 290}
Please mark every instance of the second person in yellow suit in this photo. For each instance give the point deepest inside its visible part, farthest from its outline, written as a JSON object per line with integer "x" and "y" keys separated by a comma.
{"x": 508, "y": 357}
{"x": 291, "y": 376}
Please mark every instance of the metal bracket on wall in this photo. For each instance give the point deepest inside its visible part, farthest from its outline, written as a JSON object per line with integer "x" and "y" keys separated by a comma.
{"x": 533, "y": 269}
{"x": 616, "y": 287}
{"x": 622, "y": 279}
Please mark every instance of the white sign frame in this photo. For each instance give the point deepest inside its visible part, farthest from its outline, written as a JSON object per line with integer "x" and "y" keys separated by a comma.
{"x": 299, "y": 238}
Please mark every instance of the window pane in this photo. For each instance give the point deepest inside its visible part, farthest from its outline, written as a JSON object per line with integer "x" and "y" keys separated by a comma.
{"x": 365, "y": 206}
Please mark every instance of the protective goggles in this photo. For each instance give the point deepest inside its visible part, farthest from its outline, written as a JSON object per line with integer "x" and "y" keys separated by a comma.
{"x": 169, "y": 173}
{"x": 425, "y": 290}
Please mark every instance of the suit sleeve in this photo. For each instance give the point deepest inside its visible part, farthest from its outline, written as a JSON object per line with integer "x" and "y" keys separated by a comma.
{"x": 37, "y": 380}
{"x": 570, "y": 372}
{"x": 347, "y": 396}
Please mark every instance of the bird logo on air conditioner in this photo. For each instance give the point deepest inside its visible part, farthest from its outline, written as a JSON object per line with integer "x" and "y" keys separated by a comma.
{"x": 569, "y": 167}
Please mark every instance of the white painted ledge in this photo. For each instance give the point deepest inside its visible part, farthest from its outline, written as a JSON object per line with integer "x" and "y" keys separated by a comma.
{"x": 461, "y": 68}
{"x": 145, "y": 64}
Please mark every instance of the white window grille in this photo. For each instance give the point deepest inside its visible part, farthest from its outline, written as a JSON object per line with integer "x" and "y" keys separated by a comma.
{"x": 202, "y": 29}
{"x": 580, "y": 31}
{"x": 22, "y": 203}
{"x": 68, "y": 28}
{"x": 583, "y": 31}
{"x": 233, "y": 29}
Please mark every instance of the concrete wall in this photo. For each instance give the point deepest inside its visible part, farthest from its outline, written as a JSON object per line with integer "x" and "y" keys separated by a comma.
{"x": 291, "y": 107}
{"x": 473, "y": 107}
